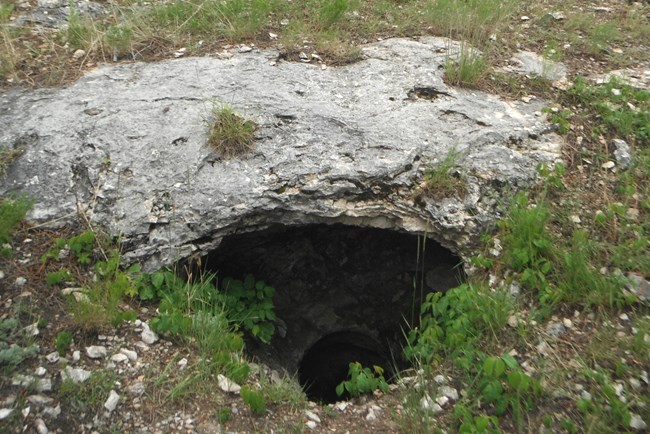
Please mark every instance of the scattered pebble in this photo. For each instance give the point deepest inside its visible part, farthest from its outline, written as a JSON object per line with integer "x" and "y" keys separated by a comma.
{"x": 96, "y": 351}
{"x": 130, "y": 354}
{"x": 5, "y": 412}
{"x": 227, "y": 385}
{"x": 312, "y": 416}
{"x": 608, "y": 165}
{"x": 513, "y": 321}
{"x": 112, "y": 401}
{"x": 311, "y": 424}
{"x": 20, "y": 282}
{"x": 53, "y": 357}
{"x": 148, "y": 337}
{"x": 637, "y": 423}
{"x": 449, "y": 392}
{"x": 427, "y": 404}
{"x": 78, "y": 54}
{"x": 555, "y": 329}
{"x": 77, "y": 375}
{"x": 41, "y": 428}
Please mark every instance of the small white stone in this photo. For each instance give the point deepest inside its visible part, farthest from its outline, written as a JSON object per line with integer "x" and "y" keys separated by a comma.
{"x": 39, "y": 399}
{"x": 636, "y": 384}
{"x": 567, "y": 323}
{"x": 119, "y": 358}
{"x": 96, "y": 351}
{"x": 40, "y": 371}
{"x": 227, "y": 385}
{"x": 20, "y": 281}
{"x": 442, "y": 400}
{"x": 44, "y": 385}
{"x": 513, "y": 321}
{"x": 79, "y": 54}
{"x": 311, "y": 424}
{"x": 624, "y": 317}
{"x": 53, "y": 357}
{"x": 148, "y": 337}
{"x": 132, "y": 355}
{"x": 608, "y": 165}
{"x": 312, "y": 416}
{"x": 525, "y": 18}
{"x": 616, "y": 92}
{"x": 76, "y": 355}
{"x": 440, "y": 379}
{"x": 25, "y": 412}
{"x": 41, "y": 428}
{"x": 341, "y": 406}
{"x": 449, "y": 392}
{"x": 111, "y": 401}
{"x": 52, "y": 412}
{"x": 5, "y": 412}
{"x": 585, "y": 395}
{"x": 136, "y": 388}
{"x": 426, "y": 403}
{"x": 575, "y": 219}
{"x": 245, "y": 49}
{"x": 371, "y": 416}
{"x": 77, "y": 375}
{"x": 637, "y": 423}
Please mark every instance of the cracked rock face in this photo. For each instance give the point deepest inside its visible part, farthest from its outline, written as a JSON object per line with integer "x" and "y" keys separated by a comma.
{"x": 127, "y": 145}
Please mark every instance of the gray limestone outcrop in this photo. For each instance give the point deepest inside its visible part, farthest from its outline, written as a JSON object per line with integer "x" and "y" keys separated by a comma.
{"x": 126, "y": 145}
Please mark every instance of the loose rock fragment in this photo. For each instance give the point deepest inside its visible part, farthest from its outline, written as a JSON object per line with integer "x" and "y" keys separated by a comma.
{"x": 111, "y": 401}
{"x": 77, "y": 375}
{"x": 96, "y": 351}
{"x": 227, "y": 385}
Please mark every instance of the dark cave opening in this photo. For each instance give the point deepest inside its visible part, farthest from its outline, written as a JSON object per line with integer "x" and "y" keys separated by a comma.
{"x": 343, "y": 294}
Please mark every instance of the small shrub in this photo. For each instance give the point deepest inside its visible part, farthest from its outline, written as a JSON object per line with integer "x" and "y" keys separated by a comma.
{"x": 362, "y": 380}
{"x": 62, "y": 342}
{"x": 80, "y": 31}
{"x": 254, "y": 399}
{"x": 250, "y": 303}
{"x": 230, "y": 134}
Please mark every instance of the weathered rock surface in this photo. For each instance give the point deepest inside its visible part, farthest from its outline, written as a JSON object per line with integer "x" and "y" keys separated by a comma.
{"x": 127, "y": 145}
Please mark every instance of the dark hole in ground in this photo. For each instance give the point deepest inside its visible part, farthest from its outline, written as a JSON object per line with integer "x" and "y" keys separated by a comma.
{"x": 326, "y": 364}
{"x": 343, "y": 294}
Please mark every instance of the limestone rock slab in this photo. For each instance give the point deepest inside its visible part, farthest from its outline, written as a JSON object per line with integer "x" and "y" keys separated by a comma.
{"x": 126, "y": 145}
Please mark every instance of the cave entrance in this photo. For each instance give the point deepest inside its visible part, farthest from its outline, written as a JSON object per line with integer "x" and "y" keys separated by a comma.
{"x": 343, "y": 294}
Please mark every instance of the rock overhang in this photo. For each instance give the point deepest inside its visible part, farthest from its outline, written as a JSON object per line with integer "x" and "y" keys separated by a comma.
{"x": 127, "y": 145}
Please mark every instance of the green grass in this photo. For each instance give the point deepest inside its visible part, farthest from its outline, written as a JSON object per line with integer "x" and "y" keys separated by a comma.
{"x": 89, "y": 395}
{"x": 466, "y": 69}
{"x": 12, "y": 212}
{"x": 230, "y": 134}
{"x": 442, "y": 179}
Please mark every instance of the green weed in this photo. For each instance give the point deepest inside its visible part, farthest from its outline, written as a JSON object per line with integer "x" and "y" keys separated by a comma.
{"x": 230, "y": 134}
{"x": 362, "y": 380}
{"x": 57, "y": 277}
{"x": 441, "y": 179}
{"x": 467, "y": 69}
{"x": 62, "y": 342}
{"x": 15, "y": 346}
{"x": 254, "y": 399}
{"x": 12, "y": 212}
{"x": 89, "y": 395}
{"x": 80, "y": 33}
{"x": 250, "y": 303}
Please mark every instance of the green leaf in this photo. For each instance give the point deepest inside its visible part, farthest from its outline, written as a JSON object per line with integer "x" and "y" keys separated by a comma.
{"x": 340, "y": 389}
{"x": 494, "y": 367}
{"x": 510, "y": 361}
{"x": 157, "y": 279}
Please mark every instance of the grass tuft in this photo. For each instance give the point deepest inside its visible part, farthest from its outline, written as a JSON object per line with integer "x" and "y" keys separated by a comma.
{"x": 230, "y": 134}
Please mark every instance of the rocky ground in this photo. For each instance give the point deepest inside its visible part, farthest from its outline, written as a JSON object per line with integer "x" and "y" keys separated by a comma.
{"x": 127, "y": 379}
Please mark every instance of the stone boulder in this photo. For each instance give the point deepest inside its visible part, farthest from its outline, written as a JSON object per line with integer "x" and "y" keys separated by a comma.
{"x": 127, "y": 146}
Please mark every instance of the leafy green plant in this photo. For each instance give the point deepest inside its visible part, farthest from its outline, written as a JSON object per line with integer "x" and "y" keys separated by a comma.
{"x": 81, "y": 246}
{"x": 250, "y": 303}
{"x": 230, "y": 134}
{"x": 14, "y": 345}
{"x": 362, "y": 380}
{"x": 561, "y": 118}
{"x": 254, "y": 399}
{"x": 441, "y": 178}
{"x": 452, "y": 324}
{"x": 62, "y": 342}
{"x": 12, "y": 212}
